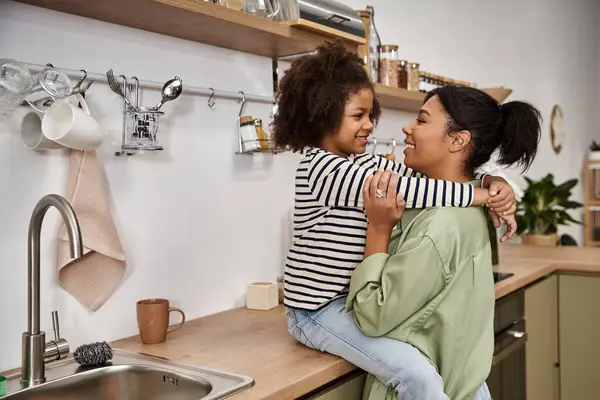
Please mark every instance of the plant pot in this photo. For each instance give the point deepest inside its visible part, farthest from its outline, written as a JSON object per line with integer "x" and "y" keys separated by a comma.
{"x": 541, "y": 240}
{"x": 594, "y": 156}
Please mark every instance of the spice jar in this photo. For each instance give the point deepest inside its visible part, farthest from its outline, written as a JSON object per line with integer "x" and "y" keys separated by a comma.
{"x": 263, "y": 138}
{"x": 370, "y": 52}
{"x": 422, "y": 81}
{"x": 413, "y": 77}
{"x": 388, "y": 65}
{"x": 248, "y": 133}
{"x": 403, "y": 74}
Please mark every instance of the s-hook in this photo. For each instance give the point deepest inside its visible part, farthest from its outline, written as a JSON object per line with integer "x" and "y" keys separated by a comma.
{"x": 243, "y": 100}
{"x": 211, "y": 102}
{"x": 78, "y": 89}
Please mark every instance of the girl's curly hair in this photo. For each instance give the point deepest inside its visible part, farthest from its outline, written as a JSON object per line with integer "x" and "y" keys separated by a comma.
{"x": 313, "y": 93}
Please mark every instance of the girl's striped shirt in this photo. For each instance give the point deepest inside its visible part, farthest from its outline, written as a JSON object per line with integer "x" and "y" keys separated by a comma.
{"x": 330, "y": 224}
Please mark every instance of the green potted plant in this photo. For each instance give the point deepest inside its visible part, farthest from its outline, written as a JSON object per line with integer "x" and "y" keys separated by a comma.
{"x": 543, "y": 208}
{"x": 594, "y": 154}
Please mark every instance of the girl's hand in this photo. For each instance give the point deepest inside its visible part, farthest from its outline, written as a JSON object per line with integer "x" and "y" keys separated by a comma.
{"x": 502, "y": 205}
{"x": 383, "y": 205}
{"x": 502, "y": 200}
{"x": 511, "y": 227}
{"x": 510, "y": 222}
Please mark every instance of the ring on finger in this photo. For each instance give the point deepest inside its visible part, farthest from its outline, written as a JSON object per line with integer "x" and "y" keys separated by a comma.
{"x": 380, "y": 193}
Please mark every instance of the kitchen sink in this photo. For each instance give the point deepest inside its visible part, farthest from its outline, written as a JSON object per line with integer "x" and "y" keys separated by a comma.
{"x": 500, "y": 276}
{"x": 129, "y": 376}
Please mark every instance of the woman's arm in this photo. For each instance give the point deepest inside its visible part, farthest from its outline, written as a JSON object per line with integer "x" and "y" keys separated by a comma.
{"x": 378, "y": 240}
{"x": 337, "y": 182}
{"x": 386, "y": 290}
{"x": 383, "y": 213}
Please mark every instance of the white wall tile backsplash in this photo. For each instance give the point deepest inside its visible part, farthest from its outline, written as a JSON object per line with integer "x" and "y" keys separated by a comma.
{"x": 198, "y": 222}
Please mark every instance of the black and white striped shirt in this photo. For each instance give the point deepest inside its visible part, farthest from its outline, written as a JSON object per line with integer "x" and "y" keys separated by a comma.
{"x": 330, "y": 224}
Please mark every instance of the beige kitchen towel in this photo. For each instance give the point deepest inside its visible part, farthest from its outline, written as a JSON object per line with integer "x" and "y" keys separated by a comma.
{"x": 91, "y": 278}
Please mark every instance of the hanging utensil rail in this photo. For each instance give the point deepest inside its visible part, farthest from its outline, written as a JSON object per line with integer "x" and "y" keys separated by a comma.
{"x": 147, "y": 84}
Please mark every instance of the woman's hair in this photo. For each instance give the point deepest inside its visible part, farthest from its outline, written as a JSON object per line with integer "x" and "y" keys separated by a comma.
{"x": 313, "y": 93}
{"x": 512, "y": 128}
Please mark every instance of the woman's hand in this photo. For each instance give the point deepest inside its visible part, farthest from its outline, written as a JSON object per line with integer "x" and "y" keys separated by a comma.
{"x": 383, "y": 206}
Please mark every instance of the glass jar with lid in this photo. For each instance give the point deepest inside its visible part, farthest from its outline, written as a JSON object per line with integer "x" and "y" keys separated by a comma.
{"x": 403, "y": 74}
{"x": 388, "y": 65}
{"x": 370, "y": 51}
{"x": 413, "y": 77}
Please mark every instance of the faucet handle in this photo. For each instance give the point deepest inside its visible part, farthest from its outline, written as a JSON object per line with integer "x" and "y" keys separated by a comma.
{"x": 57, "y": 348}
{"x": 55, "y": 325}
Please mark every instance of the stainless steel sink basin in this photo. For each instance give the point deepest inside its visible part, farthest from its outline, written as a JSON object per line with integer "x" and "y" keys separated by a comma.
{"x": 129, "y": 376}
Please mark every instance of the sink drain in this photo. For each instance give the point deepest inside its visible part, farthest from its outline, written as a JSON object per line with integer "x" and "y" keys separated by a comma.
{"x": 171, "y": 379}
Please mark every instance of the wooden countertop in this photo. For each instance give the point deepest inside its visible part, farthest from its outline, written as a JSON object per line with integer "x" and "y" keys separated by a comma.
{"x": 253, "y": 343}
{"x": 530, "y": 263}
{"x": 257, "y": 344}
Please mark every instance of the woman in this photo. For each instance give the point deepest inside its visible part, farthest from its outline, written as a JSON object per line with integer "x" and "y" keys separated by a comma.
{"x": 428, "y": 280}
{"x": 327, "y": 110}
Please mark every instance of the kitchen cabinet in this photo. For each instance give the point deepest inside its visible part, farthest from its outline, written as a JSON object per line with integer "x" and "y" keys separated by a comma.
{"x": 579, "y": 326}
{"x": 348, "y": 388}
{"x": 541, "y": 365}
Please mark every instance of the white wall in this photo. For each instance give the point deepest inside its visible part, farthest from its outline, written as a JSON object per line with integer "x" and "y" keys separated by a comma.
{"x": 197, "y": 221}
{"x": 547, "y": 51}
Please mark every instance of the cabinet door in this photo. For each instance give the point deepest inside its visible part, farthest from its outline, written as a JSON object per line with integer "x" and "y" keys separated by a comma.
{"x": 514, "y": 386}
{"x": 541, "y": 315}
{"x": 579, "y": 323}
{"x": 494, "y": 382}
{"x": 350, "y": 388}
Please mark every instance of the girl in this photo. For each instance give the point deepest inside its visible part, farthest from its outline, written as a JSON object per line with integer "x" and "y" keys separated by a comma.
{"x": 326, "y": 104}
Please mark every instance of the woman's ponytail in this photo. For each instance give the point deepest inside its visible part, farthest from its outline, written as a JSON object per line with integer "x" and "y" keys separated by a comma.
{"x": 512, "y": 128}
{"x": 520, "y": 133}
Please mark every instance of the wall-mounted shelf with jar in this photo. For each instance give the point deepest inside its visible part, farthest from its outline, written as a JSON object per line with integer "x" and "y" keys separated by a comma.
{"x": 409, "y": 100}
{"x": 401, "y": 84}
{"x": 322, "y": 30}
{"x": 204, "y": 22}
{"x": 499, "y": 93}
{"x": 398, "y": 98}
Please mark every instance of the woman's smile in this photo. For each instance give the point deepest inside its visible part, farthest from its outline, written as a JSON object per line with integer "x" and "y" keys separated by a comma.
{"x": 409, "y": 147}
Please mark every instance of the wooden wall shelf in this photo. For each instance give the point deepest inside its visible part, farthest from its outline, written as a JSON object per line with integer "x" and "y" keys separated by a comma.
{"x": 399, "y": 99}
{"x": 199, "y": 21}
{"x": 323, "y": 30}
{"x": 407, "y": 100}
{"x": 499, "y": 93}
{"x": 203, "y": 22}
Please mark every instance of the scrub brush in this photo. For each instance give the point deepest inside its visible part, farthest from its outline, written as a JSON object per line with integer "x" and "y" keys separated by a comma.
{"x": 93, "y": 355}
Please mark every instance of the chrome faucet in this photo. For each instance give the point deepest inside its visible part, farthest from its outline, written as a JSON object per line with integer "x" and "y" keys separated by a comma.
{"x": 36, "y": 352}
